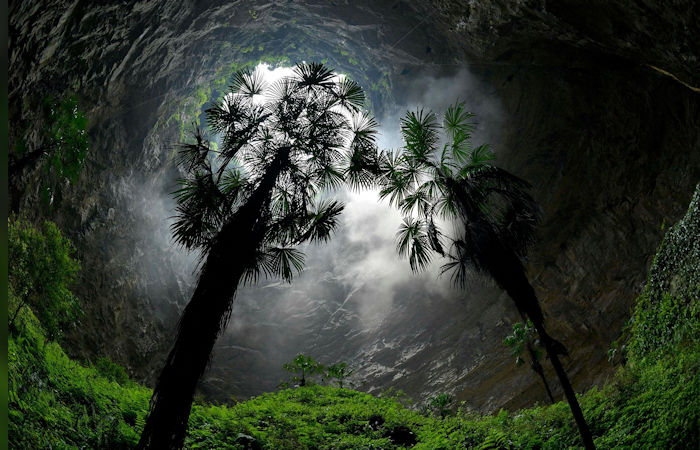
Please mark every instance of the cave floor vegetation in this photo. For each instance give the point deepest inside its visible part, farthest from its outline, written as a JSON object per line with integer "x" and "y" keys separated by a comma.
{"x": 652, "y": 402}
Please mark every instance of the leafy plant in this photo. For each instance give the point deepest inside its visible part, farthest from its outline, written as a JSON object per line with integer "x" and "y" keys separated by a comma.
{"x": 64, "y": 145}
{"x": 652, "y": 402}
{"x": 55, "y": 402}
{"x": 497, "y": 440}
{"x": 303, "y": 367}
{"x": 41, "y": 268}
{"x": 339, "y": 372}
{"x": 440, "y": 404}
{"x": 523, "y": 339}
{"x": 111, "y": 371}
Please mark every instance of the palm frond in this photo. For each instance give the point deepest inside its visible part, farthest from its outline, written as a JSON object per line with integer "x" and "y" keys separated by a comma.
{"x": 281, "y": 92}
{"x": 364, "y": 129}
{"x": 350, "y": 94}
{"x": 362, "y": 160}
{"x": 322, "y": 221}
{"x": 360, "y": 171}
{"x": 481, "y": 155}
{"x": 282, "y": 262}
{"x": 417, "y": 201}
{"x": 461, "y": 261}
{"x": 420, "y": 134}
{"x": 329, "y": 176}
{"x": 233, "y": 185}
{"x": 226, "y": 113}
{"x": 314, "y": 75}
{"x": 412, "y": 242}
{"x": 248, "y": 82}
{"x": 434, "y": 236}
{"x": 195, "y": 156}
{"x": 398, "y": 178}
{"x": 457, "y": 121}
{"x": 201, "y": 208}
{"x": 446, "y": 206}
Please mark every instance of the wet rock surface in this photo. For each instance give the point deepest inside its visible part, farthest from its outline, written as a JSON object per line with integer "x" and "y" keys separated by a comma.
{"x": 600, "y": 113}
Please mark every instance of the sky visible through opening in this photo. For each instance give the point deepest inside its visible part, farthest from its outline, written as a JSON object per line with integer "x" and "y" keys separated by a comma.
{"x": 353, "y": 285}
{"x": 364, "y": 219}
{"x": 364, "y": 215}
{"x": 363, "y": 250}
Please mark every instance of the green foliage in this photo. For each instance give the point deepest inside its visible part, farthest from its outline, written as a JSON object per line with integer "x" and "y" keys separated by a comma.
{"x": 440, "y": 405}
{"x": 667, "y": 314}
{"x": 496, "y": 441}
{"x": 55, "y": 402}
{"x": 111, "y": 371}
{"x": 310, "y": 417}
{"x": 518, "y": 341}
{"x": 58, "y": 403}
{"x": 302, "y": 367}
{"x": 66, "y": 143}
{"x": 439, "y": 174}
{"x": 41, "y": 267}
{"x": 339, "y": 372}
{"x": 67, "y": 133}
{"x": 657, "y": 327}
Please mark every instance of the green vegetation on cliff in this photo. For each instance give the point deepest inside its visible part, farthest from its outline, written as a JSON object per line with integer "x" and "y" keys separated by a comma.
{"x": 652, "y": 402}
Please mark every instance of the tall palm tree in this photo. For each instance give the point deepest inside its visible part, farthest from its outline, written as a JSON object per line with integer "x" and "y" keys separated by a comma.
{"x": 247, "y": 205}
{"x": 494, "y": 217}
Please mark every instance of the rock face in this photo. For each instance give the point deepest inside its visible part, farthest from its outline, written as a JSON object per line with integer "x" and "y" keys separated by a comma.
{"x": 599, "y": 110}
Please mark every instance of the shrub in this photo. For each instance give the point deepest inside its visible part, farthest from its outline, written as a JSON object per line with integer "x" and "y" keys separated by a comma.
{"x": 41, "y": 267}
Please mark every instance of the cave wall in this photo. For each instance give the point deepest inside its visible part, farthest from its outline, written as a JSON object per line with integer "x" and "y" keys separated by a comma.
{"x": 601, "y": 115}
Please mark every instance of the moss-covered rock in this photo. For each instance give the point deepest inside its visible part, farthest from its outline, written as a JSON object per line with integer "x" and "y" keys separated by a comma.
{"x": 668, "y": 311}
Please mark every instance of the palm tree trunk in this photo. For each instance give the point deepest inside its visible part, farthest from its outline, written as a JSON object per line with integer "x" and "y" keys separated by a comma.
{"x": 566, "y": 386}
{"x": 537, "y": 368}
{"x": 508, "y": 272}
{"x": 233, "y": 251}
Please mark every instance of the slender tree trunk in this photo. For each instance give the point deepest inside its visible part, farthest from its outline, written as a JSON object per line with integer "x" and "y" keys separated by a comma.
{"x": 14, "y": 316}
{"x": 206, "y": 315}
{"x": 546, "y": 387}
{"x": 566, "y": 386}
{"x": 509, "y": 274}
{"x": 537, "y": 368}
{"x": 506, "y": 269}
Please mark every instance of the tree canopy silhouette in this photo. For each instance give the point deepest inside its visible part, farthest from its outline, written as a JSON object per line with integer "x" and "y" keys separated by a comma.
{"x": 447, "y": 178}
{"x": 249, "y": 204}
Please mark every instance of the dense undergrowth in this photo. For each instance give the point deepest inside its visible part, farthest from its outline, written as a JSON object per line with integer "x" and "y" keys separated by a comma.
{"x": 652, "y": 402}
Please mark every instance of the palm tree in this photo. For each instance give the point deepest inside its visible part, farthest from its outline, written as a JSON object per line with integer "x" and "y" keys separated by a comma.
{"x": 249, "y": 204}
{"x": 490, "y": 209}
